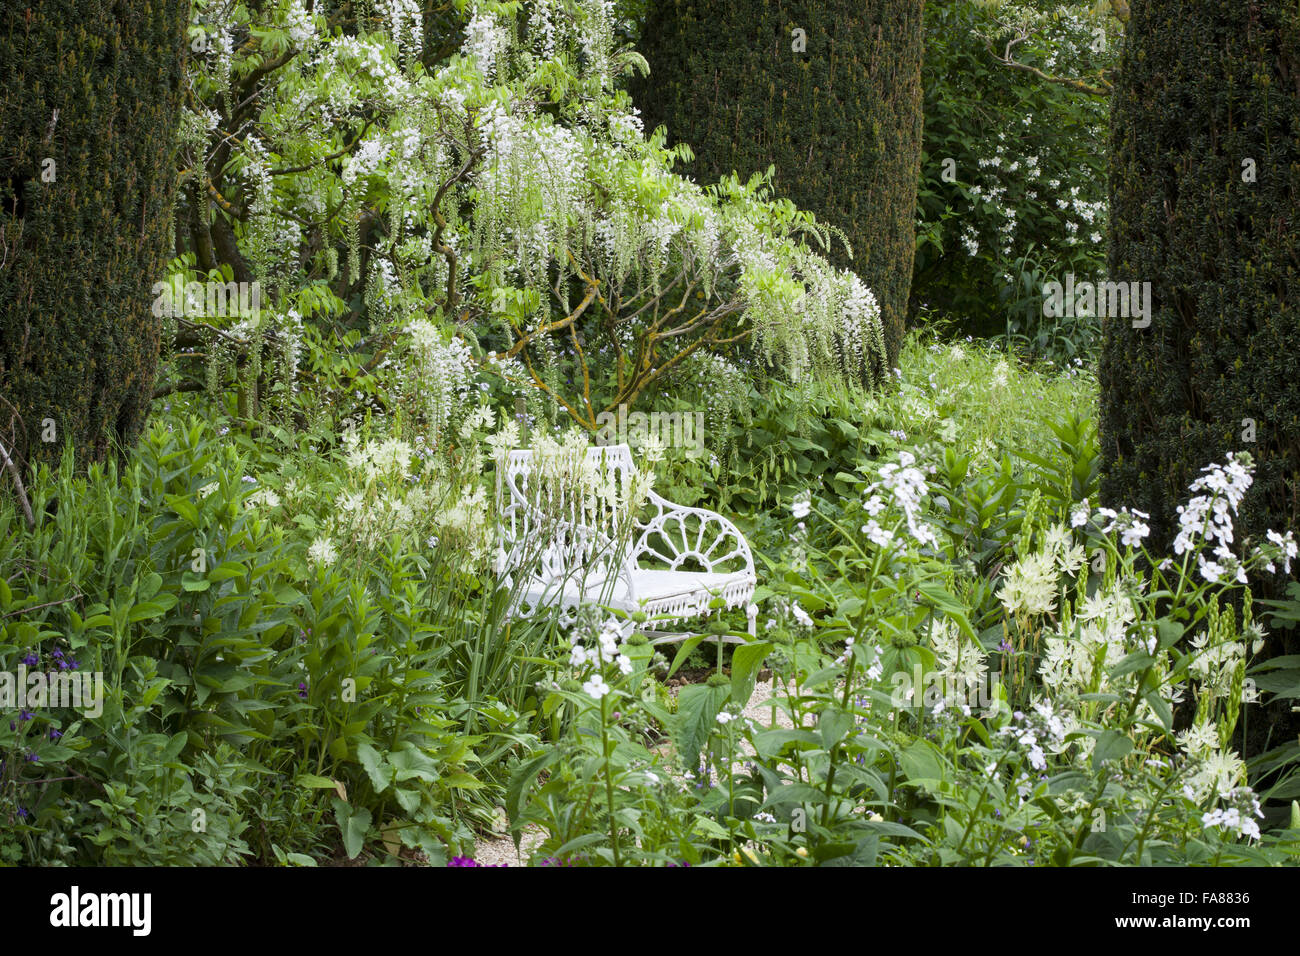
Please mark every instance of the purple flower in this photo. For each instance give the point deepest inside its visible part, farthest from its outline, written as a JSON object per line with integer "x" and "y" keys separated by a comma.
{"x": 58, "y": 654}
{"x": 25, "y": 715}
{"x": 31, "y": 660}
{"x": 463, "y": 861}
{"x": 22, "y": 812}
{"x": 302, "y": 691}
{"x": 32, "y": 758}
{"x": 75, "y": 665}
{"x": 55, "y": 733}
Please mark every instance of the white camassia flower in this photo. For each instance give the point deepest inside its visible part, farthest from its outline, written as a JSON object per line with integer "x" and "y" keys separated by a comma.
{"x": 1059, "y": 543}
{"x": 322, "y": 552}
{"x": 652, "y": 449}
{"x": 1029, "y": 586}
{"x": 963, "y": 663}
{"x": 266, "y": 498}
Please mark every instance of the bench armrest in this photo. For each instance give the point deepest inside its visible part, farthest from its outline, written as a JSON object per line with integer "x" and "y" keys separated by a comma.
{"x": 677, "y": 534}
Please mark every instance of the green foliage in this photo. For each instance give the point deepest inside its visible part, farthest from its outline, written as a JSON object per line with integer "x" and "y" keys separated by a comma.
{"x": 304, "y": 643}
{"x": 925, "y": 713}
{"x": 90, "y": 93}
{"x": 823, "y": 434}
{"x": 1012, "y": 188}
{"x": 840, "y": 121}
{"x": 255, "y": 697}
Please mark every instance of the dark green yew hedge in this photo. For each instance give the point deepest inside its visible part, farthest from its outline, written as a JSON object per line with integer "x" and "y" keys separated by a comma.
{"x": 1209, "y": 92}
{"x": 1205, "y": 203}
{"x": 841, "y": 120}
{"x": 87, "y": 204}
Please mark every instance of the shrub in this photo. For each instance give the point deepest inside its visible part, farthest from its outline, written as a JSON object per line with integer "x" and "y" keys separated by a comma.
{"x": 1012, "y": 193}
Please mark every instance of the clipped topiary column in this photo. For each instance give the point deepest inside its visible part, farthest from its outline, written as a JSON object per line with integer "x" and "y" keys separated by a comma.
{"x": 90, "y": 96}
{"x": 1205, "y": 203}
{"x": 828, "y": 91}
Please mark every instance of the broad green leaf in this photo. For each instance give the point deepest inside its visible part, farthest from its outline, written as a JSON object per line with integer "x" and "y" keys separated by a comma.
{"x": 697, "y": 711}
{"x": 1111, "y": 745}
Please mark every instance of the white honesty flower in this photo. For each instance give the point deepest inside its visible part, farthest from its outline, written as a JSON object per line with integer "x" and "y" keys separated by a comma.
{"x": 801, "y": 615}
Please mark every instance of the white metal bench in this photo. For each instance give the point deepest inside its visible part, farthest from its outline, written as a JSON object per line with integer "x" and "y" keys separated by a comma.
{"x": 572, "y": 537}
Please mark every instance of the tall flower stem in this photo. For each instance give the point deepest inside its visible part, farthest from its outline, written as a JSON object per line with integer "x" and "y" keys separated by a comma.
{"x": 609, "y": 781}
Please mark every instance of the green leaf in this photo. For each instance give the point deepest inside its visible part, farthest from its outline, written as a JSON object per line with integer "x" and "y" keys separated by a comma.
{"x": 463, "y": 781}
{"x": 833, "y": 724}
{"x": 1162, "y": 709}
{"x": 744, "y": 665}
{"x": 684, "y": 652}
{"x": 1168, "y": 632}
{"x": 354, "y": 823}
{"x": 1111, "y": 745}
{"x": 228, "y": 569}
{"x": 523, "y": 777}
{"x": 313, "y": 782}
{"x": 710, "y": 830}
{"x": 1136, "y": 661}
{"x": 697, "y": 711}
{"x": 149, "y": 585}
{"x": 146, "y": 610}
{"x": 409, "y": 762}
{"x": 921, "y": 761}
{"x": 850, "y": 606}
{"x": 372, "y": 761}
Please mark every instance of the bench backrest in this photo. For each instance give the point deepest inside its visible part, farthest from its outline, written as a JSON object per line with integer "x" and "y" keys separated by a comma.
{"x": 578, "y": 503}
